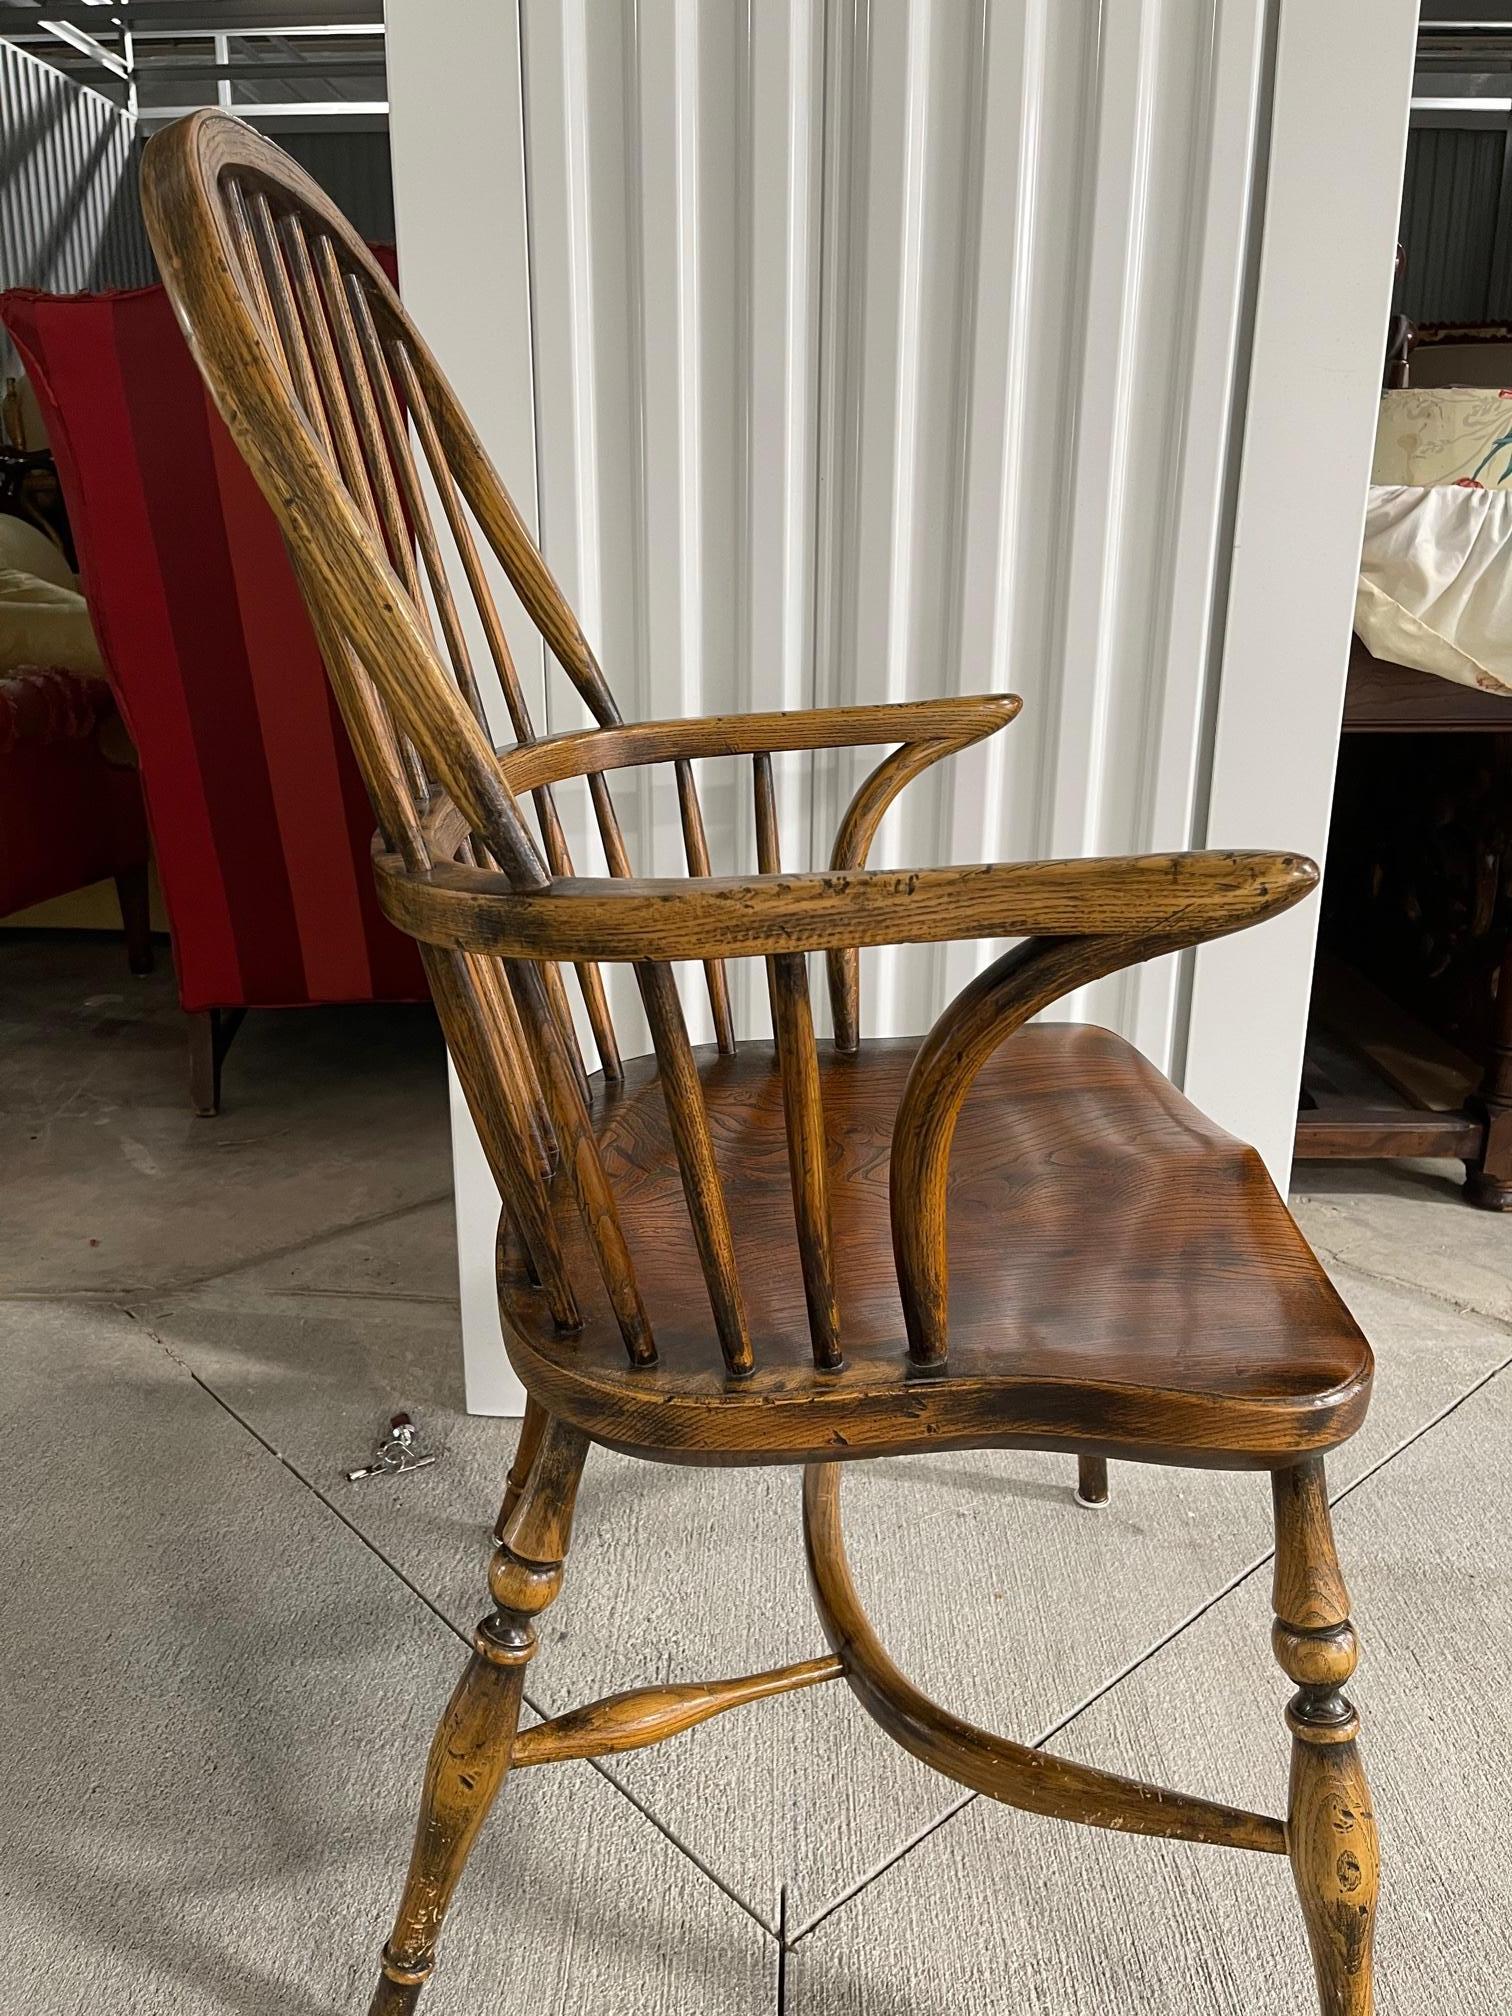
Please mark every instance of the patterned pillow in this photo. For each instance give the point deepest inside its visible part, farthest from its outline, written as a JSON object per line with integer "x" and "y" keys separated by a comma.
{"x": 1445, "y": 434}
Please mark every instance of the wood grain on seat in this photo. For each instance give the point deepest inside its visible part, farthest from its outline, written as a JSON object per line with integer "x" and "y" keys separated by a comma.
{"x": 1123, "y": 1274}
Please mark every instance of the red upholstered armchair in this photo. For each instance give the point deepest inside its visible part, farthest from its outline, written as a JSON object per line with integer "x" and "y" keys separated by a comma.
{"x": 260, "y": 822}
{"x": 68, "y": 816}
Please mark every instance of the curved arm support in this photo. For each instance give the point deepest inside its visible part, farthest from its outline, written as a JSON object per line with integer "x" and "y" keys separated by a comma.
{"x": 853, "y": 838}
{"x": 983, "y": 1015}
{"x": 1031, "y": 1779}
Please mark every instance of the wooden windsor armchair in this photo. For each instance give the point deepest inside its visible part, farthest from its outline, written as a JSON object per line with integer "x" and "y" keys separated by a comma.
{"x": 743, "y": 1254}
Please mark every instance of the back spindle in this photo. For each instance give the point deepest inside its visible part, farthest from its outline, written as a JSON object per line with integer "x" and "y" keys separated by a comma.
{"x": 324, "y": 366}
{"x": 802, "y": 1102}
{"x": 471, "y": 995}
{"x": 688, "y": 1117}
{"x": 268, "y": 275}
{"x": 696, "y": 852}
{"x": 484, "y": 1008}
{"x": 343, "y": 424}
{"x": 411, "y": 496}
{"x": 554, "y": 839}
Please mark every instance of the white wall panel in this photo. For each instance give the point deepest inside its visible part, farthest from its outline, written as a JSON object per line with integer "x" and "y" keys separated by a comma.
{"x": 884, "y": 348}
{"x": 671, "y": 160}
{"x": 1039, "y": 234}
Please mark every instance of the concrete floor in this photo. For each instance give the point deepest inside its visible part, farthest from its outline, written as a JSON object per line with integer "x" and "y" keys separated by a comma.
{"x": 223, "y": 1662}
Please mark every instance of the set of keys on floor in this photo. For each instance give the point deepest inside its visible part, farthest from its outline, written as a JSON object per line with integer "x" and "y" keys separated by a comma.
{"x": 398, "y": 1450}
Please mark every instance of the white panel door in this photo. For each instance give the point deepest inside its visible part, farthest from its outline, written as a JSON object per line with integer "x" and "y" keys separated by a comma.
{"x": 1335, "y": 171}
{"x": 455, "y": 124}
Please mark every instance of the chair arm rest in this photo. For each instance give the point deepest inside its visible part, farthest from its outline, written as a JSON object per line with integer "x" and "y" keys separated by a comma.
{"x": 740, "y": 916}
{"x": 988, "y": 1010}
{"x": 580, "y": 752}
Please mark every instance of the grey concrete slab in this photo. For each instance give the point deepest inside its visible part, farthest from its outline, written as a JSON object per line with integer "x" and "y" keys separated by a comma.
{"x": 1409, "y": 1222}
{"x": 216, "y": 1704}
{"x": 333, "y": 1117}
{"x": 687, "y": 1574}
{"x": 1000, "y": 1911}
{"x": 410, "y": 1256}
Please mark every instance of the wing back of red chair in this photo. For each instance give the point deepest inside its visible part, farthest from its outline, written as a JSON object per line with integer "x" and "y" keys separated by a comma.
{"x": 259, "y": 818}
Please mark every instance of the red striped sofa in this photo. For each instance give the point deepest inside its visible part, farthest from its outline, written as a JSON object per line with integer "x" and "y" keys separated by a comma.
{"x": 260, "y": 823}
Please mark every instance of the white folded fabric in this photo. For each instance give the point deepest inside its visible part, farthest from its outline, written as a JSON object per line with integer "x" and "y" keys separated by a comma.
{"x": 1435, "y": 588}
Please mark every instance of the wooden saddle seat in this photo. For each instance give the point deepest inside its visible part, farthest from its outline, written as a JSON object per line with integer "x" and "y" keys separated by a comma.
{"x": 1123, "y": 1276}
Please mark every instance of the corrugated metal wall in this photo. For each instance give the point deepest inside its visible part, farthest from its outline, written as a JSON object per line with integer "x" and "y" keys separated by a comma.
{"x": 353, "y": 169}
{"x": 69, "y": 215}
{"x": 1450, "y": 196}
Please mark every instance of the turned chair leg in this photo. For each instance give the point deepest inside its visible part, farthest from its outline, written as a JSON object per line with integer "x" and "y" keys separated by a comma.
{"x": 532, "y": 1427}
{"x": 1092, "y": 1481}
{"x": 1330, "y": 1828}
{"x": 469, "y": 1758}
{"x": 1489, "y": 1179}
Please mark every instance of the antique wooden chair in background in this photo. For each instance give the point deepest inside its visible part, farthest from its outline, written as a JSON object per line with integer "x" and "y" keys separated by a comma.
{"x": 1118, "y": 1277}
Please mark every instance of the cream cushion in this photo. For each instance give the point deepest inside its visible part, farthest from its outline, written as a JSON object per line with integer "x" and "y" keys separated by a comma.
{"x": 44, "y": 624}
{"x": 23, "y": 546}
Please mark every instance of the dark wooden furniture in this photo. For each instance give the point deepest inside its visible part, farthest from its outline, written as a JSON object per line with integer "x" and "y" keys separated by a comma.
{"x": 743, "y": 1254}
{"x": 1433, "y": 1099}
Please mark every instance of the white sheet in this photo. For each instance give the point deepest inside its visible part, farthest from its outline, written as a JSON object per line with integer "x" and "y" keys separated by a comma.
{"x": 1435, "y": 587}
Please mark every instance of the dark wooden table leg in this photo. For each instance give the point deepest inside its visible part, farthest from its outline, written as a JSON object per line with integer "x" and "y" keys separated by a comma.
{"x": 136, "y": 917}
{"x": 210, "y": 1034}
{"x": 1489, "y": 1179}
